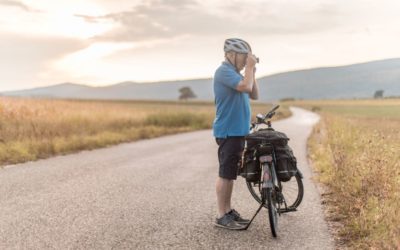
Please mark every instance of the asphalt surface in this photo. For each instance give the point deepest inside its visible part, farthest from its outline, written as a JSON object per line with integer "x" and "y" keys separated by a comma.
{"x": 151, "y": 194}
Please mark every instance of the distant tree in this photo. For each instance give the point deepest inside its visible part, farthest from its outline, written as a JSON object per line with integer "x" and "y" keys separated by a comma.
{"x": 287, "y": 99}
{"x": 378, "y": 94}
{"x": 186, "y": 93}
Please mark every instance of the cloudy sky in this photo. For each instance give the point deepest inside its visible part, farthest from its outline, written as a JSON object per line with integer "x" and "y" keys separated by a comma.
{"x": 101, "y": 42}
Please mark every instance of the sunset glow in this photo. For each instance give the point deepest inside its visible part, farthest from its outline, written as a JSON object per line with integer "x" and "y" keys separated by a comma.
{"x": 99, "y": 42}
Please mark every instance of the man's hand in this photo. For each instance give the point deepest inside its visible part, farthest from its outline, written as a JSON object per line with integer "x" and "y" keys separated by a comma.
{"x": 251, "y": 60}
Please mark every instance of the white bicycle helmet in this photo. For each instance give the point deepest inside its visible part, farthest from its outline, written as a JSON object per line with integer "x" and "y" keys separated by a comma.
{"x": 237, "y": 45}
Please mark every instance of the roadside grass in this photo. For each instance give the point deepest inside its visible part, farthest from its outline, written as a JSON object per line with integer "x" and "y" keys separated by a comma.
{"x": 32, "y": 129}
{"x": 356, "y": 151}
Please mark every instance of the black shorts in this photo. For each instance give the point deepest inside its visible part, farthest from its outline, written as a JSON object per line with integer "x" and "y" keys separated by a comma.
{"x": 229, "y": 153}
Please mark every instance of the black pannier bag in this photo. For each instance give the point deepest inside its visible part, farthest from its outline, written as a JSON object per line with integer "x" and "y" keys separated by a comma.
{"x": 286, "y": 163}
{"x": 276, "y": 138}
{"x": 251, "y": 168}
{"x": 285, "y": 159}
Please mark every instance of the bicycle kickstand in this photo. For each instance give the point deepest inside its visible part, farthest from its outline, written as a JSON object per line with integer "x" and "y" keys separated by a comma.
{"x": 258, "y": 210}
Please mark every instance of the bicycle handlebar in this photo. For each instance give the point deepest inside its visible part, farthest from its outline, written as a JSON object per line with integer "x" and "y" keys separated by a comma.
{"x": 271, "y": 113}
{"x": 261, "y": 118}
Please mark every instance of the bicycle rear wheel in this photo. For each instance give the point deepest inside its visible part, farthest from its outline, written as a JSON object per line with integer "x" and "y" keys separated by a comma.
{"x": 270, "y": 197}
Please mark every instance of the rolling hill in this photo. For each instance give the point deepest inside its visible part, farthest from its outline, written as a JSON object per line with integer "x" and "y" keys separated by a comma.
{"x": 350, "y": 81}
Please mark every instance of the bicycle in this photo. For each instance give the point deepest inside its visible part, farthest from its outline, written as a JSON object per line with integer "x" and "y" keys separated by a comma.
{"x": 260, "y": 163}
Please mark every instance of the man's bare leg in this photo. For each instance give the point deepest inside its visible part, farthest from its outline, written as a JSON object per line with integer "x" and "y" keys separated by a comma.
{"x": 224, "y": 189}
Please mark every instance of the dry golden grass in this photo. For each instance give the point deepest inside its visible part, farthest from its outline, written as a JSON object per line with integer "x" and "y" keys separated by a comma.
{"x": 31, "y": 129}
{"x": 357, "y": 156}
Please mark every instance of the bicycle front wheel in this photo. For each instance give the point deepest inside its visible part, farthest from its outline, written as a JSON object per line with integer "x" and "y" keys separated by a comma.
{"x": 292, "y": 191}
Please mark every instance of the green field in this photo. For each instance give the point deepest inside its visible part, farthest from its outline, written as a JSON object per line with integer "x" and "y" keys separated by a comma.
{"x": 32, "y": 129}
{"x": 379, "y": 108}
{"x": 356, "y": 151}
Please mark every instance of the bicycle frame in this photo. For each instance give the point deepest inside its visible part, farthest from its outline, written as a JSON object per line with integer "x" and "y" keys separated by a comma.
{"x": 269, "y": 172}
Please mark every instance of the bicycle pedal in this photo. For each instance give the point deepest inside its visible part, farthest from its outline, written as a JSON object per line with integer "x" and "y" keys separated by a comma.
{"x": 279, "y": 198}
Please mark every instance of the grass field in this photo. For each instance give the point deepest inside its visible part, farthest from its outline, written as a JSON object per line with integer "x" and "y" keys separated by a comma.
{"x": 356, "y": 150}
{"x": 379, "y": 108}
{"x": 32, "y": 129}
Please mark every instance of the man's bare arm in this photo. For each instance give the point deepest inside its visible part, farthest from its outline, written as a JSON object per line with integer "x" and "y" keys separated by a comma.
{"x": 246, "y": 85}
{"x": 254, "y": 92}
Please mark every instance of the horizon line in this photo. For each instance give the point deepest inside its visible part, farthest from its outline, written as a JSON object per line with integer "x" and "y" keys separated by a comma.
{"x": 200, "y": 78}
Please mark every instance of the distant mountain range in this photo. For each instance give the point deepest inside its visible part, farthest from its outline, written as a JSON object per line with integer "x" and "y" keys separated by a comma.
{"x": 350, "y": 81}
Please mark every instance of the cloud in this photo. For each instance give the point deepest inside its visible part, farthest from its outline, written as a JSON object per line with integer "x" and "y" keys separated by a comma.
{"x": 160, "y": 19}
{"x": 18, "y": 4}
{"x": 89, "y": 19}
{"x": 157, "y": 19}
{"x": 24, "y": 58}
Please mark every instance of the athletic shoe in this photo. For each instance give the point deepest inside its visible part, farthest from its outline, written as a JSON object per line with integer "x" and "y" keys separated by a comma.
{"x": 238, "y": 218}
{"x": 227, "y": 221}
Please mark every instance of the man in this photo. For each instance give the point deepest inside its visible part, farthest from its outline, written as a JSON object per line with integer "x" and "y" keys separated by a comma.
{"x": 232, "y": 122}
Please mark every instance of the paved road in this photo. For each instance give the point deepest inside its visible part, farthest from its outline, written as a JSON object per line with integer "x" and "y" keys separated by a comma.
{"x": 152, "y": 194}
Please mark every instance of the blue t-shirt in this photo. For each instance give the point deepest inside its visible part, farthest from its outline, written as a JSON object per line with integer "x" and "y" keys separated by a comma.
{"x": 233, "y": 113}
